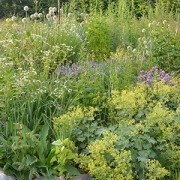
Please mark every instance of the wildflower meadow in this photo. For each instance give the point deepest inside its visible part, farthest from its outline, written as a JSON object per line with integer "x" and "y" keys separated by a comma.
{"x": 90, "y": 88}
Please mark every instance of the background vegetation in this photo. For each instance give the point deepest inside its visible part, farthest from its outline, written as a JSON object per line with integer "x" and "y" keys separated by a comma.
{"x": 137, "y": 7}
{"x": 97, "y": 93}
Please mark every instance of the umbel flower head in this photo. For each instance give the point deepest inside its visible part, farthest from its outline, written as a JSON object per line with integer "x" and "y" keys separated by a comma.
{"x": 26, "y": 8}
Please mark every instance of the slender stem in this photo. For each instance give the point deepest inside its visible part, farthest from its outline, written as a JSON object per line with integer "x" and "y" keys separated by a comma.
{"x": 59, "y": 13}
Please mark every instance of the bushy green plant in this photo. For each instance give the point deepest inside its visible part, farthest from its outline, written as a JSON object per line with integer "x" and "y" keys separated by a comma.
{"x": 78, "y": 125}
{"x": 148, "y": 117}
{"x": 104, "y": 161}
{"x": 61, "y": 157}
{"x": 24, "y": 151}
{"x": 98, "y": 37}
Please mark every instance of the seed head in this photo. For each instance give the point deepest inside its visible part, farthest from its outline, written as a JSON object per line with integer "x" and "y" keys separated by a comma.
{"x": 134, "y": 50}
{"x": 129, "y": 48}
{"x": 50, "y": 8}
{"x": 40, "y": 15}
{"x": 54, "y": 9}
{"x": 69, "y": 15}
{"x": 150, "y": 24}
{"x": 51, "y": 12}
{"x": 48, "y": 16}
{"x": 36, "y": 15}
{"x": 82, "y": 15}
{"x": 143, "y": 30}
{"x": 32, "y": 16}
{"x": 14, "y": 18}
{"x": 54, "y": 18}
{"x": 26, "y": 8}
{"x": 24, "y": 20}
{"x": 164, "y": 22}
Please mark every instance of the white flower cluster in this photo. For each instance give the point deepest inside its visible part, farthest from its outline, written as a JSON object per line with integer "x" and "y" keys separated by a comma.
{"x": 36, "y": 15}
{"x": 52, "y": 14}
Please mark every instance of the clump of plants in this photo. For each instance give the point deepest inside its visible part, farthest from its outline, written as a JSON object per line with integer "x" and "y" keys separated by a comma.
{"x": 160, "y": 43}
{"x": 104, "y": 161}
{"x": 87, "y": 95}
{"x": 148, "y": 77}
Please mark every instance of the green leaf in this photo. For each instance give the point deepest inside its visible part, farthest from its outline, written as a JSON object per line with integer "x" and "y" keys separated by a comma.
{"x": 90, "y": 118}
{"x": 152, "y": 140}
{"x": 44, "y": 132}
{"x": 43, "y": 144}
{"x": 72, "y": 170}
{"x": 147, "y": 146}
{"x": 57, "y": 143}
{"x": 81, "y": 139}
{"x": 141, "y": 159}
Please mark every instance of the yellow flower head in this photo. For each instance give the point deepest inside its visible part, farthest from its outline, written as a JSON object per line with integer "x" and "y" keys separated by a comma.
{"x": 8, "y": 20}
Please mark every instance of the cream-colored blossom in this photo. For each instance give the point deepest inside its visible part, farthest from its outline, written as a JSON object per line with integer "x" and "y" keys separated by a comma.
{"x": 26, "y": 8}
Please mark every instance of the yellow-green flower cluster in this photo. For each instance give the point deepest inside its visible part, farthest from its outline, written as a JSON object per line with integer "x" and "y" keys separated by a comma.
{"x": 70, "y": 118}
{"x": 67, "y": 122}
{"x": 105, "y": 161}
{"x": 162, "y": 118}
{"x": 128, "y": 103}
{"x": 155, "y": 170}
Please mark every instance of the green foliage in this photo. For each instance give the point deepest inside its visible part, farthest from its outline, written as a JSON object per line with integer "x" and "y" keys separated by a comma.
{"x": 160, "y": 42}
{"x": 104, "y": 161}
{"x": 61, "y": 157}
{"x": 148, "y": 120}
{"x": 23, "y": 151}
{"x": 136, "y": 103}
{"x": 78, "y": 124}
{"x": 98, "y": 36}
{"x": 62, "y": 86}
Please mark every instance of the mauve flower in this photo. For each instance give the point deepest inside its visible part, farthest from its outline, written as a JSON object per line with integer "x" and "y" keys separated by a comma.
{"x": 118, "y": 68}
{"x": 112, "y": 59}
{"x": 154, "y": 74}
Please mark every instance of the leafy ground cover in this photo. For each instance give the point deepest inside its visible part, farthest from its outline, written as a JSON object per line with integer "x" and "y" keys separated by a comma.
{"x": 98, "y": 93}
